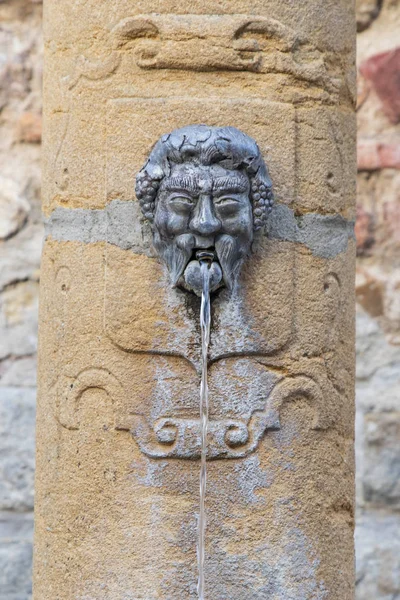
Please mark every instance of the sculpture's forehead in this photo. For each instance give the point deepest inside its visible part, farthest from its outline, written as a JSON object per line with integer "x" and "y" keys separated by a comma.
{"x": 203, "y": 178}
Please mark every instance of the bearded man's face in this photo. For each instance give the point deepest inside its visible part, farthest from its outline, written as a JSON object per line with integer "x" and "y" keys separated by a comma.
{"x": 203, "y": 208}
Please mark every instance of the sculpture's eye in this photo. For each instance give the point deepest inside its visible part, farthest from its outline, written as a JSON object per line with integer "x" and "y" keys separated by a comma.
{"x": 226, "y": 203}
{"x": 225, "y": 200}
{"x": 181, "y": 202}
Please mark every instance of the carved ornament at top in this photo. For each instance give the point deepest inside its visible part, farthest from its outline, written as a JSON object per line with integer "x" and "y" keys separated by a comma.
{"x": 221, "y": 42}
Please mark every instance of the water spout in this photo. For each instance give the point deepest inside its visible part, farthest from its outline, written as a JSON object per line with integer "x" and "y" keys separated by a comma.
{"x": 205, "y": 259}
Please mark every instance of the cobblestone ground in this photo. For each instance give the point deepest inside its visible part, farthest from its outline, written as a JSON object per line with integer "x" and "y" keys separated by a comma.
{"x": 378, "y": 293}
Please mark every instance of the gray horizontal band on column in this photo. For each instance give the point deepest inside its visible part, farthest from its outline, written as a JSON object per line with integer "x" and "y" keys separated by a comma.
{"x": 325, "y": 235}
{"x": 120, "y": 223}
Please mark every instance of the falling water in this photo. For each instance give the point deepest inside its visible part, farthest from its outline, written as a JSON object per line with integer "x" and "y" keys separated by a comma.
{"x": 205, "y": 319}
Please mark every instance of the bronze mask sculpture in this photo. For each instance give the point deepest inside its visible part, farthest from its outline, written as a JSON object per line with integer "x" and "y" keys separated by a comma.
{"x": 205, "y": 191}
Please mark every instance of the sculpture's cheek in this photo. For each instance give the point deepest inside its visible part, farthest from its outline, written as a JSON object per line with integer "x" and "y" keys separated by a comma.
{"x": 171, "y": 223}
{"x": 238, "y": 224}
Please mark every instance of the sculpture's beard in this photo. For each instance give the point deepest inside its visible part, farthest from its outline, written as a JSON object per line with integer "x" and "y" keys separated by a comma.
{"x": 184, "y": 267}
{"x": 230, "y": 256}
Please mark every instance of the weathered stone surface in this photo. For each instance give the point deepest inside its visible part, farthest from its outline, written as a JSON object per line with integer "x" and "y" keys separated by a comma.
{"x": 121, "y": 224}
{"x": 366, "y": 12}
{"x": 374, "y": 155}
{"x": 253, "y": 115}
{"x": 375, "y": 357}
{"x": 111, "y": 64}
{"x": 18, "y": 319}
{"x": 377, "y": 292}
{"x": 370, "y": 294}
{"x": 16, "y": 531}
{"x": 21, "y": 235}
{"x": 377, "y": 396}
{"x": 378, "y": 556}
{"x": 364, "y": 230}
{"x": 378, "y": 352}
{"x": 14, "y": 209}
{"x": 326, "y": 236}
{"x": 383, "y": 72}
{"x": 326, "y": 185}
{"x": 18, "y": 371}
{"x": 17, "y": 409}
{"x": 119, "y": 365}
{"x": 381, "y": 479}
{"x": 21, "y": 256}
{"x": 30, "y": 128}
{"x": 377, "y": 194}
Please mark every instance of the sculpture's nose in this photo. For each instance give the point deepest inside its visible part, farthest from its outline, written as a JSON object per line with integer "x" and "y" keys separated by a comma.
{"x": 204, "y": 220}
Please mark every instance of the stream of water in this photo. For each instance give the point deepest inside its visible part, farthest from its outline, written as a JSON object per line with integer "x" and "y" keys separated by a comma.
{"x": 205, "y": 322}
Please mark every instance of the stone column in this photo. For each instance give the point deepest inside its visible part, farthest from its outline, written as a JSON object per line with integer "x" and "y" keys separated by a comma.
{"x": 117, "y": 463}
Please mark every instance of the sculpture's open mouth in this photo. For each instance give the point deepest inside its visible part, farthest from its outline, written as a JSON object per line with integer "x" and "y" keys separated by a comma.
{"x": 207, "y": 256}
{"x": 192, "y": 278}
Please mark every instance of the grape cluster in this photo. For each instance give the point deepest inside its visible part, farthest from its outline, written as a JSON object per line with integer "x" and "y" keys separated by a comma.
{"x": 146, "y": 192}
{"x": 263, "y": 199}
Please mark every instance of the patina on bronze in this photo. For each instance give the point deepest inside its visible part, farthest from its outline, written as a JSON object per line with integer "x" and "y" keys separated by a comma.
{"x": 204, "y": 189}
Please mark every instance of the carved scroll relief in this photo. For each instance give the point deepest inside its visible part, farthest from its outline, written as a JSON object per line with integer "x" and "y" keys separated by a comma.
{"x": 179, "y": 437}
{"x": 234, "y": 42}
{"x": 221, "y": 42}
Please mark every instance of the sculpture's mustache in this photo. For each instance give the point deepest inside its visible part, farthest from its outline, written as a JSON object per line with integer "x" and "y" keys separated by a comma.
{"x": 185, "y": 244}
{"x": 182, "y": 250}
{"x": 226, "y": 251}
{"x": 176, "y": 253}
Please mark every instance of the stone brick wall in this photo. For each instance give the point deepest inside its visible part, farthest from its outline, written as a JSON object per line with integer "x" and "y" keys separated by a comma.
{"x": 378, "y": 299}
{"x": 20, "y": 247}
{"x": 378, "y": 286}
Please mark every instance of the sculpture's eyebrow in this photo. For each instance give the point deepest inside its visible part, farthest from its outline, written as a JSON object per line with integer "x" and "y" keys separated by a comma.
{"x": 178, "y": 183}
{"x": 234, "y": 185}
